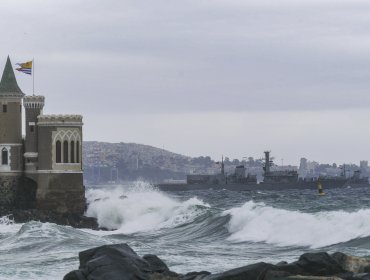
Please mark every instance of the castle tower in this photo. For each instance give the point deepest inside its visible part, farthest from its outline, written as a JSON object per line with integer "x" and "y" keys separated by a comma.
{"x": 60, "y": 175}
{"x": 10, "y": 121}
{"x": 11, "y": 154}
{"x": 33, "y": 107}
{"x": 51, "y": 178}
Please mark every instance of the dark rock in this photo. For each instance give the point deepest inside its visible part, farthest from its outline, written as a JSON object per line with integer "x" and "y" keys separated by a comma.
{"x": 359, "y": 276}
{"x": 289, "y": 268}
{"x": 120, "y": 262}
{"x": 250, "y": 272}
{"x": 74, "y": 275}
{"x": 319, "y": 264}
{"x": 195, "y": 275}
{"x": 156, "y": 264}
{"x": 113, "y": 262}
{"x": 276, "y": 274}
{"x": 68, "y": 219}
{"x": 161, "y": 276}
{"x": 308, "y": 277}
{"x": 352, "y": 263}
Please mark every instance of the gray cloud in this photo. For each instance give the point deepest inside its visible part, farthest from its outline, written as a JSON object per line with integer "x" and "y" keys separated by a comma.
{"x": 124, "y": 58}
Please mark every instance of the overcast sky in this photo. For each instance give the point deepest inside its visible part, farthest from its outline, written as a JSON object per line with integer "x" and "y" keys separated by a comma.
{"x": 232, "y": 77}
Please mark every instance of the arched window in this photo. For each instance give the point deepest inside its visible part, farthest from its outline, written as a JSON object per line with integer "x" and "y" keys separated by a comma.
{"x": 4, "y": 156}
{"x": 58, "y": 152}
{"x": 72, "y": 151}
{"x": 65, "y": 151}
{"x": 78, "y": 151}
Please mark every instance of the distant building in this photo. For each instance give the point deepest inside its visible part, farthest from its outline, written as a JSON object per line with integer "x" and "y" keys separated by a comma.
{"x": 303, "y": 168}
{"x": 364, "y": 164}
{"x": 44, "y": 169}
{"x": 364, "y": 167}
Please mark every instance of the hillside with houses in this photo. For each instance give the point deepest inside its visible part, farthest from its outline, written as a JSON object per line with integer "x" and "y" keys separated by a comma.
{"x": 104, "y": 162}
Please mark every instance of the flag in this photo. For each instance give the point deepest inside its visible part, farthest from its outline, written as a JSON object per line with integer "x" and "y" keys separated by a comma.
{"x": 25, "y": 67}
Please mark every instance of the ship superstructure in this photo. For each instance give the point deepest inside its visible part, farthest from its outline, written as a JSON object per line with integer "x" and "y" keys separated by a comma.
{"x": 272, "y": 180}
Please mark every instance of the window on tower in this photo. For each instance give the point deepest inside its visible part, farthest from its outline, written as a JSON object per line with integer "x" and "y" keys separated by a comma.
{"x": 5, "y": 108}
{"x": 72, "y": 151}
{"x": 65, "y": 151}
{"x": 78, "y": 151}
{"x": 58, "y": 152}
{"x": 4, "y": 156}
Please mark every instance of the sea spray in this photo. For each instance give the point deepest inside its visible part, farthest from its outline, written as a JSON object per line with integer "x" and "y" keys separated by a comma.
{"x": 140, "y": 209}
{"x": 7, "y": 226}
{"x": 256, "y": 222}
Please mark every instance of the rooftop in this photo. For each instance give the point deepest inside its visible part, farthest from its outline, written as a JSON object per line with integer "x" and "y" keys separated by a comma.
{"x": 8, "y": 85}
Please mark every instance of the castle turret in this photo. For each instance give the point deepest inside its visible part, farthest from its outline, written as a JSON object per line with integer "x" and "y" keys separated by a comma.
{"x": 33, "y": 106}
{"x": 10, "y": 121}
{"x": 11, "y": 149}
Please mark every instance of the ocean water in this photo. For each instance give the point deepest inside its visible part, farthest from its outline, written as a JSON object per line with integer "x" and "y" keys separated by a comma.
{"x": 212, "y": 230}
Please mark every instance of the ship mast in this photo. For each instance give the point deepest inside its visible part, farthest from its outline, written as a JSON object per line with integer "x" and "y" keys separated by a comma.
{"x": 266, "y": 168}
{"x": 222, "y": 166}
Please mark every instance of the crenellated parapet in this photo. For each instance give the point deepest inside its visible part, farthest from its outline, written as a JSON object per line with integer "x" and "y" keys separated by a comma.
{"x": 34, "y": 102}
{"x": 59, "y": 120}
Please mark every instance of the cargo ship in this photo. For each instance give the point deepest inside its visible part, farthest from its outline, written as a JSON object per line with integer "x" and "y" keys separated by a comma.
{"x": 272, "y": 180}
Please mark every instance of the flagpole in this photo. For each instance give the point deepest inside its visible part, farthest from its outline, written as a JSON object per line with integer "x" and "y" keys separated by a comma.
{"x": 33, "y": 76}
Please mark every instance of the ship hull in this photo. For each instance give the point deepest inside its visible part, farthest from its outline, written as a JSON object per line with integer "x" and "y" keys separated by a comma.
{"x": 260, "y": 186}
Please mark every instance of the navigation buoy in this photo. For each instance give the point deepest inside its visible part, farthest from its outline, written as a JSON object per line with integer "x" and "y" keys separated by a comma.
{"x": 319, "y": 189}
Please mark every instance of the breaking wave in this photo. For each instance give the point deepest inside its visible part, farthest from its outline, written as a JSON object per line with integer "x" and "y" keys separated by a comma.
{"x": 141, "y": 208}
{"x": 256, "y": 222}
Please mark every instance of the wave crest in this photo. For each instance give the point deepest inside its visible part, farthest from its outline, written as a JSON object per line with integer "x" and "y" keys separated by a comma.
{"x": 257, "y": 222}
{"x": 141, "y": 209}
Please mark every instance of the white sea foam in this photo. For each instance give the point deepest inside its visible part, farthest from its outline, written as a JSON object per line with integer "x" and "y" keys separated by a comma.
{"x": 8, "y": 226}
{"x": 140, "y": 209}
{"x": 257, "y": 222}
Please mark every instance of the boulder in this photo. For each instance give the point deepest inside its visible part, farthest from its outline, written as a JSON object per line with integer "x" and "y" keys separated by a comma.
{"x": 359, "y": 276}
{"x": 306, "y": 277}
{"x": 195, "y": 275}
{"x": 156, "y": 264}
{"x": 318, "y": 264}
{"x": 352, "y": 263}
{"x": 118, "y": 262}
{"x": 250, "y": 272}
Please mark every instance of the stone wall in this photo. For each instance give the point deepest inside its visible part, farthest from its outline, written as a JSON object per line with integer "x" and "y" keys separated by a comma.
{"x": 17, "y": 192}
{"x": 16, "y": 158}
{"x": 11, "y": 121}
{"x": 61, "y": 192}
{"x": 8, "y": 189}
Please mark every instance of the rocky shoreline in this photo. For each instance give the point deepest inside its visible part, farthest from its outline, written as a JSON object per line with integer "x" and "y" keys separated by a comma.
{"x": 46, "y": 216}
{"x": 120, "y": 262}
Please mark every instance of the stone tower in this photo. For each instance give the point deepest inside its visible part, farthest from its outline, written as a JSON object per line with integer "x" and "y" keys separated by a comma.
{"x": 33, "y": 107}
{"x": 11, "y": 150}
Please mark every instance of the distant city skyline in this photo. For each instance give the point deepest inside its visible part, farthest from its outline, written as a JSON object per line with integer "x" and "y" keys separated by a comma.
{"x": 227, "y": 77}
